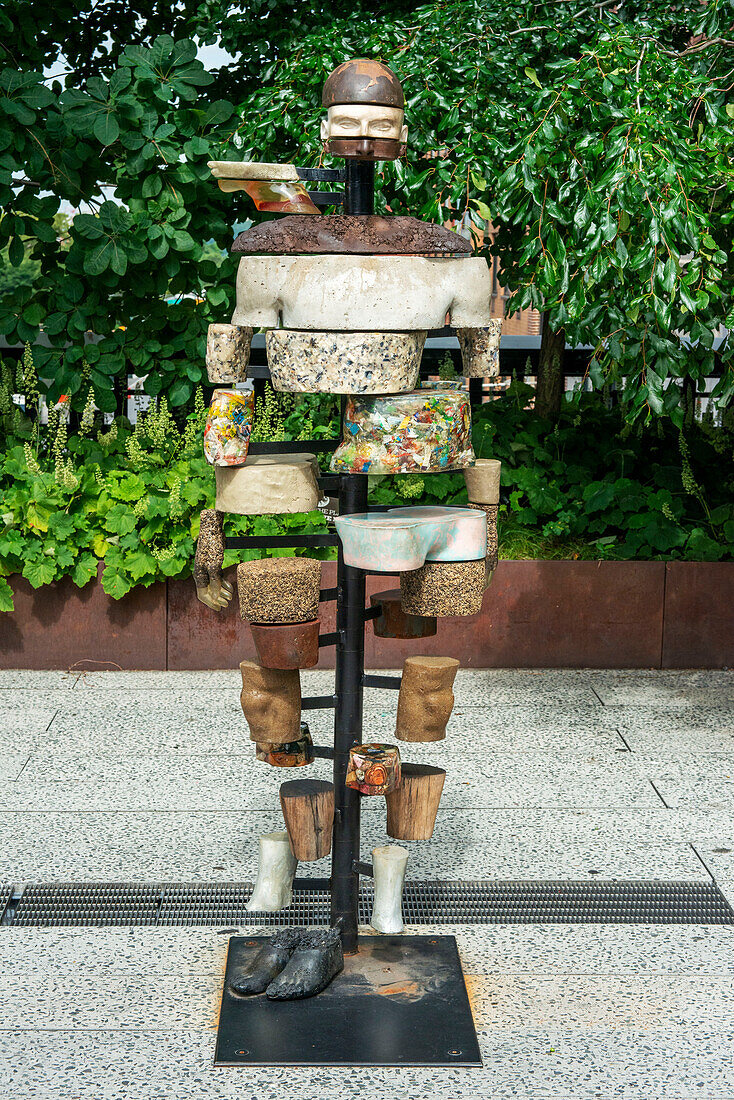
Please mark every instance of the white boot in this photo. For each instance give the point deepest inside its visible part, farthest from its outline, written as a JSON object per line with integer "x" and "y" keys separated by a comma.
{"x": 388, "y": 865}
{"x": 274, "y": 885}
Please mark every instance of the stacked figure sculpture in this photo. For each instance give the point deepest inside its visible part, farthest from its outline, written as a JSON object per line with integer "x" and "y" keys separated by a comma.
{"x": 347, "y": 302}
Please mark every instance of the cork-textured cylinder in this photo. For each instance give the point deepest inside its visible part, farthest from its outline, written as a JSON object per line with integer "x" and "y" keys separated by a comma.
{"x": 443, "y": 588}
{"x": 483, "y": 481}
{"x": 279, "y": 590}
{"x": 490, "y": 510}
{"x": 426, "y": 700}
{"x": 412, "y": 807}
{"x": 271, "y": 703}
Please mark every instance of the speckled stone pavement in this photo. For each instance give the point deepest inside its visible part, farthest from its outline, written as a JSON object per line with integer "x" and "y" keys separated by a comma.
{"x": 150, "y": 777}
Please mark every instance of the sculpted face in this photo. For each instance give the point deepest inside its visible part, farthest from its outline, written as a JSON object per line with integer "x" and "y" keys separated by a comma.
{"x": 365, "y": 130}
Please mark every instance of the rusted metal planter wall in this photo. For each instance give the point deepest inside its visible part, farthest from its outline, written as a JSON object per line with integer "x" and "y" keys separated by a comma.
{"x": 537, "y": 614}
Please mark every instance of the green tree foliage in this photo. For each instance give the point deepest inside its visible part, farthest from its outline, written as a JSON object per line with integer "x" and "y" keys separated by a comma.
{"x": 596, "y": 137}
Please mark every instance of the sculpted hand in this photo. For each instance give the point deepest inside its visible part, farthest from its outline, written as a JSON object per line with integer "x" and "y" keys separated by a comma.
{"x": 211, "y": 587}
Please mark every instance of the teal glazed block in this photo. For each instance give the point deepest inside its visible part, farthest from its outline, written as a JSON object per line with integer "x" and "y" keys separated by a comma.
{"x": 405, "y": 538}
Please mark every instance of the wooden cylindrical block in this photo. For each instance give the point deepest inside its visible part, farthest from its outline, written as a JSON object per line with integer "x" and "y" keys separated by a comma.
{"x": 426, "y": 700}
{"x": 271, "y": 703}
{"x": 308, "y": 810}
{"x": 443, "y": 588}
{"x": 392, "y": 622}
{"x": 373, "y": 768}
{"x": 412, "y": 807}
{"x": 287, "y": 645}
{"x": 279, "y": 590}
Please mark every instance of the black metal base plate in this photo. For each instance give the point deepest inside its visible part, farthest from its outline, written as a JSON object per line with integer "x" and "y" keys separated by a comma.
{"x": 401, "y": 1001}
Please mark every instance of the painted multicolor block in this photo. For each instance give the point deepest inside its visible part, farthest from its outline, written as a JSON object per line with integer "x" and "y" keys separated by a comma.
{"x": 373, "y": 768}
{"x": 404, "y": 538}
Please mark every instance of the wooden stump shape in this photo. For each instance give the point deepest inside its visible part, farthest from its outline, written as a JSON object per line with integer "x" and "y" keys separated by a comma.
{"x": 308, "y": 810}
{"x": 412, "y": 807}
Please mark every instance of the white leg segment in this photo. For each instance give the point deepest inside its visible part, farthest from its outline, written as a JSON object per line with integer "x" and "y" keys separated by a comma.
{"x": 388, "y": 864}
{"x": 274, "y": 885}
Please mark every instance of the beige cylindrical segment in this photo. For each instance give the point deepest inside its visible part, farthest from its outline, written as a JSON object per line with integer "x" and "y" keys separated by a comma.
{"x": 228, "y": 353}
{"x": 271, "y": 702}
{"x": 483, "y": 481}
{"x": 412, "y": 807}
{"x": 426, "y": 700}
{"x": 308, "y": 811}
{"x": 279, "y": 590}
{"x": 443, "y": 588}
{"x": 269, "y": 485}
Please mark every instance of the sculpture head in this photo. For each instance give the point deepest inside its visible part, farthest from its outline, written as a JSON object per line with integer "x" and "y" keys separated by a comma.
{"x": 365, "y": 117}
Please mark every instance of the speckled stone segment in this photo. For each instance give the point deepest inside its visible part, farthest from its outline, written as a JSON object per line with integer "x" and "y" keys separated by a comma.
{"x": 209, "y": 557}
{"x": 227, "y": 353}
{"x": 279, "y": 590}
{"x": 344, "y": 362}
{"x": 480, "y": 349}
{"x": 490, "y": 511}
{"x": 443, "y": 588}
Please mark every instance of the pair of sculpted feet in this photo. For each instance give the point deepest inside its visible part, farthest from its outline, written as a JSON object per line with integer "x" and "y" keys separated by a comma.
{"x": 294, "y": 963}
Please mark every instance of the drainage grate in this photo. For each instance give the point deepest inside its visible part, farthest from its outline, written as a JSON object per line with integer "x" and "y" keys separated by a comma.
{"x": 88, "y": 903}
{"x": 6, "y": 893}
{"x": 437, "y": 902}
{"x": 225, "y": 904}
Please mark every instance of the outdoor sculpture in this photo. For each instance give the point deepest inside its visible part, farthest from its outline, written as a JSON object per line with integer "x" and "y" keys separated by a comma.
{"x": 347, "y": 301}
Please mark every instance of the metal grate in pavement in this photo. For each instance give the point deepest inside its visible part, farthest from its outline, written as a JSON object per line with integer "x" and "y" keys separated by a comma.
{"x": 437, "y": 902}
{"x": 215, "y": 903}
{"x": 6, "y": 893}
{"x": 87, "y": 903}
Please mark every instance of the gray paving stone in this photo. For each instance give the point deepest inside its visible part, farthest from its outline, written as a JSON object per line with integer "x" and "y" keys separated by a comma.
{"x": 630, "y": 951}
{"x": 163, "y": 782}
{"x": 12, "y": 679}
{"x": 170, "y": 722}
{"x": 222, "y": 846}
{"x": 668, "y": 733}
{"x": 11, "y": 765}
{"x": 693, "y": 782}
{"x": 663, "y": 687}
{"x": 663, "y": 1062}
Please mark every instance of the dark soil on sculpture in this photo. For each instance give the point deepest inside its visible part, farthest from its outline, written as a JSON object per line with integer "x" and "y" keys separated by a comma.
{"x": 353, "y": 234}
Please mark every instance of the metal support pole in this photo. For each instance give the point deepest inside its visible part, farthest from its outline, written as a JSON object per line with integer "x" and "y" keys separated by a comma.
{"x": 348, "y": 725}
{"x": 359, "y": 198}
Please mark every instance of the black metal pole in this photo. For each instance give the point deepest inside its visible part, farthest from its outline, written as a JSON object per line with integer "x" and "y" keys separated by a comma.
{"x": 350, "y": 608}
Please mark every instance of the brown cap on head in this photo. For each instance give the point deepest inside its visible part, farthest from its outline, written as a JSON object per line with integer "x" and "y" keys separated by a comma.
{"x": 363, "y": 81}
